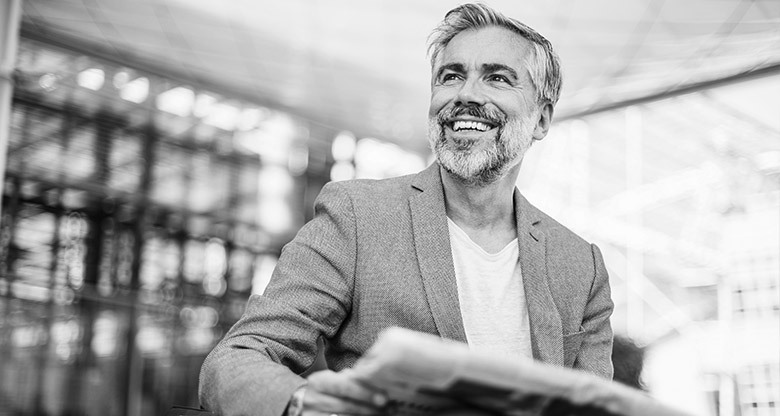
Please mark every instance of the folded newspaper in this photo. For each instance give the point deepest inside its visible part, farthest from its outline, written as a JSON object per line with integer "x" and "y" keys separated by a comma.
{"x": 426, "y": 375}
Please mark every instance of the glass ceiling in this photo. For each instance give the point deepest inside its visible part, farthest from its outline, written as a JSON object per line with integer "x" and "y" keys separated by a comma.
{"x": 362, "y": 65}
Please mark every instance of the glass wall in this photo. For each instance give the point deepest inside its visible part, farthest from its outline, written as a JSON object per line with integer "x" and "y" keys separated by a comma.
{"x": 139, "y": 213}
{"x": 682, "y": 195}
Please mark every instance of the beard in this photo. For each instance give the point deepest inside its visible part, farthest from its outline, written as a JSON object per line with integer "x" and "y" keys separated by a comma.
{"x": 479, "y": 167}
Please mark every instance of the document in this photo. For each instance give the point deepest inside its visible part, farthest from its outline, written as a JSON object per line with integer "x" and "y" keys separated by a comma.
{"x": 427, "y": 375}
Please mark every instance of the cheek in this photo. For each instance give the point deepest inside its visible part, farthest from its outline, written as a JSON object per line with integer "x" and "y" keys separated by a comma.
{"x": 521, "y": 107}
{"x": 439, "y": 100}
{"x": 432, "y": 110}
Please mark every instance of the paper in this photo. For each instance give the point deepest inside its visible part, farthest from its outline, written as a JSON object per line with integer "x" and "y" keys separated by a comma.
{"x": 424, "y": 375}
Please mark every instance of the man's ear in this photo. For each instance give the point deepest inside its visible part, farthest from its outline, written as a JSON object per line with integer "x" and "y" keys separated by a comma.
{"x": 544, "y": 122}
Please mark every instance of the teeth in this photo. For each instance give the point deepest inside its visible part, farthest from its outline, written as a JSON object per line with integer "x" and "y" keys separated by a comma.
{"x": 470, "y": 125}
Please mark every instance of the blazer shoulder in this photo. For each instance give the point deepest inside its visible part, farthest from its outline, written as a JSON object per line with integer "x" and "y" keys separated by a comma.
{"x": 370, "y": 191}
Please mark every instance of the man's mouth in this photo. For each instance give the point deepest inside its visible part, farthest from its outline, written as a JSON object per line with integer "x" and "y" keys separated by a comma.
{"x": 470, "y": 125}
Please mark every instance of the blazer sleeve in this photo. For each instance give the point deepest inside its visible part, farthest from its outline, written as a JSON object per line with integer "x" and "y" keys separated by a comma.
{"x": 596, "y": 351}
{"x": 254, "y": 368}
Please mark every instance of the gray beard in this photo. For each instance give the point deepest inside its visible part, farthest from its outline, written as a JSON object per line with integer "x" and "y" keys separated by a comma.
{"x": 483, "y": 167}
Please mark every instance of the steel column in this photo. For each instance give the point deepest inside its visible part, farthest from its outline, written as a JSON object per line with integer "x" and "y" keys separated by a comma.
{"x": 10, "y": 14}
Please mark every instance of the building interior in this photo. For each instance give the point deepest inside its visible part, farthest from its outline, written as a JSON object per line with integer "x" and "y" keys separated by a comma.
{"x": 158, "y": 154}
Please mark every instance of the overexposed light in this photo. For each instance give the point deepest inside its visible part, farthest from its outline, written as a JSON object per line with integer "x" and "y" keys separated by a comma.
{"x": 272, "y": 139}
{"x": 409, "y": 163}
{"x": 273, "y": 214}
{"x": 685, "y": 356}
{"x": 264, "y": 268}
{"x": 251, "y": 141}
{"x": 188, "y": 317}
{"x": 104, "y": 339}
{"x": 272, "y": 148}
{"x": 92, "y": 78}
{"x": 23, "y": 290}
{"x": 178, "y": 101}
{"x": 214, "y": 282}
{"x": 151, "y": 275}
{"x": 150, "y": 339}
{"x": 65, "y": 332}
{"x": 768, "y": 161}
{"x": 673, "y": 186}
{"x": 298, "y": 160}
{"x": 371, "y": 151}
{"x": 48, "y": 81}
{"x": 171, "y": 258}
{"x": 223, "y": 115}
{"x": 197, "y": 340}
{"x": 38, "y": 231}
{"x": 341, "y": 171}
{"x": 194, "y": 265}
{"x": 121, "y": 78}
{"x": 208, "y": 316}
{"x": 240, "y": 269}
{"x": 64, "y": 295}
{"x": 27, "y": 336}
{"x": 135, "y": 91}
{"x": 203, "y": 104}
{"x": 274, "y": 181}
{"x": 199, "y": 316}
{"x": 216, "y": 258}
{"x": 377, "y": 159}
{"x": 250, "y": 118}
{"x": 65, "y": 352}
{"x": 76, "y": 273}
{"x": 343, "y": 147}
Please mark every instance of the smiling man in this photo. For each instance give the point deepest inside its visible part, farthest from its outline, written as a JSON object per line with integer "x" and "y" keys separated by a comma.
{"x": 454, "y": 250}
{"x": 485, "y": 109}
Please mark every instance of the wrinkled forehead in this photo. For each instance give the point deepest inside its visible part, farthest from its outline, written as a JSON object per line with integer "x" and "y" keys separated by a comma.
{"x": 487, "y": 45}
{"x": 480, "y": 49}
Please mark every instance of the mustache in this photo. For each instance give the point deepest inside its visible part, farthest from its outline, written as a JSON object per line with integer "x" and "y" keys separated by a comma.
{"x": 480, "y": 111}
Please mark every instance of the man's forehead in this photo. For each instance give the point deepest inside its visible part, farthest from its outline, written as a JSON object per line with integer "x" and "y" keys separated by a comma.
{"x": 489, "y": 45}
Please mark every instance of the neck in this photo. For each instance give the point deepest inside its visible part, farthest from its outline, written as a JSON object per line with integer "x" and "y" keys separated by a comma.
{"x": 488, "y": 207}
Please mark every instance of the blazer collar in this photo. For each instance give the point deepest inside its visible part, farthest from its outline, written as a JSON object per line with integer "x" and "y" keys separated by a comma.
{"x": 434, "y": 255}
{"x": 546, "y": 328}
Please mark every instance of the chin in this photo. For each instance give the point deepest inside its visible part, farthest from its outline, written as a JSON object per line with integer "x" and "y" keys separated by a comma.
{"x": 478, "y": 167}
{"x": 472, "y": 170}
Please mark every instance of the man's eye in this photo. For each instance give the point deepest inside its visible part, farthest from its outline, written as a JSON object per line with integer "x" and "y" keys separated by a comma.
{"x": 449, "y": 77}
{"x": 498, "y": 78}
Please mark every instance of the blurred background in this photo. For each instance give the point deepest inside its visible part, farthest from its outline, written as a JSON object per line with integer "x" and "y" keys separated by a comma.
{"x": 159, "y": 153}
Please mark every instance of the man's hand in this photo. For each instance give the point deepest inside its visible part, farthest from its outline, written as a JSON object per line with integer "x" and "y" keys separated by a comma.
{"x": 331, "y": 393}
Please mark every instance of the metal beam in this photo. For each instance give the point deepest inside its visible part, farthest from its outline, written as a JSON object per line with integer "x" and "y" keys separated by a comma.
{"x": 644, "y": 290}
{"x": 765, "y": 71}
{"x": 72, "y": 43}
{"x": 10, "y": 15}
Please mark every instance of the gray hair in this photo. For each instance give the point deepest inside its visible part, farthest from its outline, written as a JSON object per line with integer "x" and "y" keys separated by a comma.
{"x": 544, "y": 64}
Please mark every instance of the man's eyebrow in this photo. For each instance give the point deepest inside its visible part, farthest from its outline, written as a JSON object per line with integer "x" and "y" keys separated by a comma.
{"x": 454, "y": 67}
{"x": 489, "y": 68}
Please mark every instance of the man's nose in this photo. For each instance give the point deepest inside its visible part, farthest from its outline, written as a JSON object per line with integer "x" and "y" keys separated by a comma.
{"x": 470, "y": 93}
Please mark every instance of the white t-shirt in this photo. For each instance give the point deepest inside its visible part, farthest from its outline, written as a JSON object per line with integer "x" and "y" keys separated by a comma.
{"x": 491, "y": 295}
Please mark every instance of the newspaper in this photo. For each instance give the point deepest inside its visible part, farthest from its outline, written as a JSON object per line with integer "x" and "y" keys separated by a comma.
{"x": 426, "y": 375}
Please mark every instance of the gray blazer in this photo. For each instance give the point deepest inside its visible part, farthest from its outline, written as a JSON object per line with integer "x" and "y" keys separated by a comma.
{"x": 376, "y": 254}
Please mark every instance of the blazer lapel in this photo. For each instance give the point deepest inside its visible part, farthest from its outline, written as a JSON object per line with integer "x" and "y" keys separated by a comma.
{"x": 546, "y": 335}
{"x": 434, "y": 255}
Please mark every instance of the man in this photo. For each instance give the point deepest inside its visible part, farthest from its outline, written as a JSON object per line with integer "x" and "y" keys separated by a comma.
{"x": 455, "y": 250}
